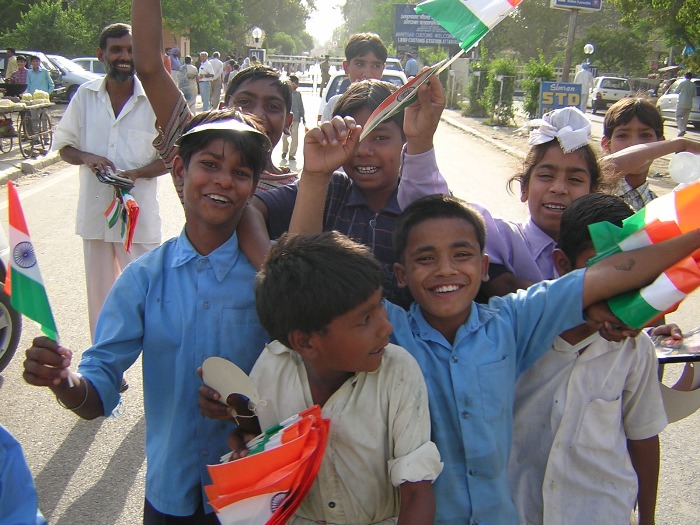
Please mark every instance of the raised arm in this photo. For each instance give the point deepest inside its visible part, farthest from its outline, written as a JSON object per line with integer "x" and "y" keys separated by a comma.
{"x": 635, "y": 158}
{"x": 147, "y": 28}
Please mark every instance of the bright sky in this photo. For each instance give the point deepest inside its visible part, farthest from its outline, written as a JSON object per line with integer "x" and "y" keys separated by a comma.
{"x": 325, "y": 19}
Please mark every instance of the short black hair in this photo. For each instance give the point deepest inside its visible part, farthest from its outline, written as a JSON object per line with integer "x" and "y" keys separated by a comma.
{"x": 689, "y": 75}
{"x": 309, "y": 280}
{"x": 113, "y": 31}
{"x": 362, "y": 43}
{"x": 574, "y": 236}
{"x": 625, "y": 109}
{"x": 258, "y": 72}
{"x": 367, "y": 94}
{"x": 436, "y": 207}
{"x": 294, "y": 78}
{"x": 34, "y": 57}
{"x": 253, "y": 147}
{"x": 21, "y": 57}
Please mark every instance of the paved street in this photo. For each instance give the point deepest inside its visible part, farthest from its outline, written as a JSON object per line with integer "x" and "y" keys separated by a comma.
{"x": 93, "y": 472}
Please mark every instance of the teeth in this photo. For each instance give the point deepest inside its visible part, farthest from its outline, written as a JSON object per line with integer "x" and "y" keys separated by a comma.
{"x": 218, "y": 198}
{"x": 366, "y": 170}
{"x": 446, "y": 288}
{"x": 555, "y": 207}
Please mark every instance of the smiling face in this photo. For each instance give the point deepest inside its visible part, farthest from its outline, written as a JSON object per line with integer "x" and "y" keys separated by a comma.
{"x": 632, "y": 133}
{"x": 118, "y": 58}
{"x": 556, "y": 181}
{"x": 443, "y": 268}
{"x": 364, "y": 67}
{"x": 375, "y": 165}
{"x": 262, "y": 98}
{"x": 352, "y": 342}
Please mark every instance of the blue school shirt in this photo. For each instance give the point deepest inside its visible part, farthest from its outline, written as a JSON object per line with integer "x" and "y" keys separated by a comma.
{"x": 180, "y": 307}
{"x": 471, "y": 388}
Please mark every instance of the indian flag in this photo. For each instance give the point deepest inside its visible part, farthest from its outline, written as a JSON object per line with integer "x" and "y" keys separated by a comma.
{"x": 23, "y": 283}
{"x": 663, "y": 218}
{"x": 467, "y": 20}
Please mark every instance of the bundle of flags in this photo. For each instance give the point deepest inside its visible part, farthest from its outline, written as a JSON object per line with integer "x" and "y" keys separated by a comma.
{"x": 23, "y": 282}
{"x": 663, "y": 218}
{"x": 123, "y": 210}
{"x": 268, "y": 485}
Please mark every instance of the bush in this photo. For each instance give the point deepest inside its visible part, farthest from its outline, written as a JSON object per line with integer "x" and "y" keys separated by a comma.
{"x": 536, "y": 71}
{"x": 478, "y": 80}
{"x": 498, "y": 96}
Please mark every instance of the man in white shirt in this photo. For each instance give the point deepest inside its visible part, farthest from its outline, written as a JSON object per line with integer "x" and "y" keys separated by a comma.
{"x": 206, "y": 75}
{"x": 585, "y": 78}
{"x": 109, "y": 124}
{"x": 218, "y": 66}
{"x": 686, "y": 92}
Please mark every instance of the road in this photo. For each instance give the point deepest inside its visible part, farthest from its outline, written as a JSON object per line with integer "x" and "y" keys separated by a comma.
{"x": 93, "y": 472}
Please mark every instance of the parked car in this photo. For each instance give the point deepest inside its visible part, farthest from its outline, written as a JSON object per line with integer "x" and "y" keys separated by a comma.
{"x": 339, "y": 82}
{"x": 10, "y": 319}
{"x": 393, "y": 64}
{"x": 607, "y": 91}
{"x": 668, "y": 102}
{"x": 91, "y": 64}
{"x": 45, "y": 63}
{"x": 72, "y": 76}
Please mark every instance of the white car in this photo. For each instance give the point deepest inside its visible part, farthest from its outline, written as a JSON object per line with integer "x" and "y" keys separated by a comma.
{"x": 91, "y": 64}
{"x": 339, "y": 82}
{"x": 608, "y": 90}
{"x": 667, "y": 103}
{"x": 393, "y": 64}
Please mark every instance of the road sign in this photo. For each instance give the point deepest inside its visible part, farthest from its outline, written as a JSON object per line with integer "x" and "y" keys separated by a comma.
{"x": 555, "y": 95}
{"x": 582, "y": 5}
{"x": 412, "y": 28}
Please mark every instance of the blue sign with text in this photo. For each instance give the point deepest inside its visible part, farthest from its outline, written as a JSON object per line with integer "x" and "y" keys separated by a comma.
{"x": 583, "y": 5}
{"x": 555, "y": 95}
{"x": 421, "y": 30}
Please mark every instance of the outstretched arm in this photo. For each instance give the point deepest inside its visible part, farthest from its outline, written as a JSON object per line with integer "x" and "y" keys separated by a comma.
{"x": 636, "y": 158}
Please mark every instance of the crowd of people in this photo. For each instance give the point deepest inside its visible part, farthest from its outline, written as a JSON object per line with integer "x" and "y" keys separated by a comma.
{"x": 465, "y": 362}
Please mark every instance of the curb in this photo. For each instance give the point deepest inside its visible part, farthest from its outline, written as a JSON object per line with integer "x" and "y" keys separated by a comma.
{"x": 29, "y": 166}
{"x": 494, "y": 142}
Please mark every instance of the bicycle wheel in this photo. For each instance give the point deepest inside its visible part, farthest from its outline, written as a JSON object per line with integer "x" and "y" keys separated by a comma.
{"x": 26, "y": 136}
{"x": 45, "y": 132}
{"x": 6, "y": 144}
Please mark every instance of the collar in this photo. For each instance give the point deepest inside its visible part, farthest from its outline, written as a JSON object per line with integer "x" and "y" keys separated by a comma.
{"x": 537, "y": 240}
{"x": 220, "y": 260}
{"x": 357, "y": 198}
{"x": 100, "y": 86}
{"x": 625, "y": 187}
{"x": 479, "y": 315}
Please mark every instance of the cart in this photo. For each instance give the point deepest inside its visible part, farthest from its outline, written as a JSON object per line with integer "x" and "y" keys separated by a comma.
{"x": 33, "y": 129}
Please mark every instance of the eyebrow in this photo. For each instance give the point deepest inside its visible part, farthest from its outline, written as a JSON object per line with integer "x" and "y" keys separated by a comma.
{"x": 250, "y": 93}
{"x": 457, "y": 244}
{"x": 568, "y": 170}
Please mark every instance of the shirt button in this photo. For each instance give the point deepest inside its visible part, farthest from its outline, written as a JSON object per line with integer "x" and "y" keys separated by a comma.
{"x": 204, "y": 452}
{"x": 465, "y": 415}
{"x": 206, "y": 306}
{"x": 454, "y": 359}
{"x": 472, "y": 472}
{"x": 201, "y": 263}
{"x": 332, "y": 504}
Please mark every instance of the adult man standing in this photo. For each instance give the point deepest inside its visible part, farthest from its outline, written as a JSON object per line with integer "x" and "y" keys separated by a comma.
{"x": 325, "y": 73}
{"x": 11, "y": 63}
{"x": 218, "y": 66}
{"x": 297, "y": 115}
{"x": 38, "y": 77}
{"x": 411, "y": 67}
{"x": 686, "y": 91}
{"x": 109, "y": 124}
{"x": 175, "y": 63}
{"x": 585, "y": 78}
{"x": 205, "y": 76}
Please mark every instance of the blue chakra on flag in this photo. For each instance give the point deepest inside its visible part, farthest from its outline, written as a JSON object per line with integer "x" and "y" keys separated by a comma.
{"x": 24, "y": 255}
{"x": 277, "y": 500}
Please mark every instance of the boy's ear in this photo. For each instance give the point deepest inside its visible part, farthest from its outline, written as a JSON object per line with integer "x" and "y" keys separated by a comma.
{"x": 561, "y": 262}
{"x": 400, "y": 272}
{"x": 605, "y": 144}
{"x": 484, "y": 268}
{"x": 178, "y": 171}
{"x": 303, "y": 343}
{"x": 345, "y": 66}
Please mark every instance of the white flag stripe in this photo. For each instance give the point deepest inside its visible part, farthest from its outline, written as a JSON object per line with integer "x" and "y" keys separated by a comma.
{"x": 490, "y": 12}
{"x": 251, "y": 511}
{"x": 32, "y": 272}
{"x": 662, "y": 294}
{"x": 638, "y": 239}
{"x": 660, "y": 209}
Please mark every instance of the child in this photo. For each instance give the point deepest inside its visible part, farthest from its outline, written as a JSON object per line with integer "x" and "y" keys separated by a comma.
{"x": 259, "y": 92}
{"x": 319, "y": 297}
{"x": 189, "y": 299}
{"x": 587, "y": 415}
{"x": 637, "y": 122}
{"x": 365, "y": 56}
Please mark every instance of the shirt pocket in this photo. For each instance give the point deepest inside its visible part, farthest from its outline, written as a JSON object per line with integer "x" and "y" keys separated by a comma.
{"x": 141, "y": 150}
{"x": 497, "y": 384}
{"x": 600, "y": 424}
{"x": 242, "y": 337}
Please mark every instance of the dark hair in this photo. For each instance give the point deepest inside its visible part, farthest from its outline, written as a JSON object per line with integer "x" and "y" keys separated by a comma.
{"x": 188, "y": 59}
{"x": 21, "y": 57}
{"x": 258, "y": 72}
{"x": 537, "y": 153}
{"x": 253, "y": 147}
{"x": 435, "y": 207}
{"x": 624, "y": 110}
{"x": 689, "y": 75}
{"x": 113, "y": 31}
{"x": 367, "y": 94}
{"x": 294, "y": 78}
{"x": 11, "y": 50}
{"x": 362, "y": 43}
{"x": 309, "y": 280}
{"x": 34, "y": 57}
{"x": 574, "y": 236}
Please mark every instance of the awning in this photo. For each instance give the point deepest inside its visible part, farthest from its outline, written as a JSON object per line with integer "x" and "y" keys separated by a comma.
{"x": 667, "y": 68}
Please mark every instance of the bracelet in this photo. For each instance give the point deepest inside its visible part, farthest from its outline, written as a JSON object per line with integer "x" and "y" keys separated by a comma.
{"x": 87, "y": 391}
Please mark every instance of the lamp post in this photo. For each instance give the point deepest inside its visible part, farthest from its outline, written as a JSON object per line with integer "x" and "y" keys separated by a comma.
{"x": 588, "y": 49}
{"x": 257, "y": 35}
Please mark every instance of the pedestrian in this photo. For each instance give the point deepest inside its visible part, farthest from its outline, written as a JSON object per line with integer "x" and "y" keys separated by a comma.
{"x": 38, "y": 78}
{"x": 411, "y": 67}
{"x": 11, "y": 66}
{"x": 218, "y": 67}
{"x": 166, "y": 60}
{"x": 585, "y": 79}
{"x": 20, "y": 74}
{"x": 686, "y": 90}
{"x": 109, "y": 125}
{"x": 187, "y": 82}
{"x": 175, "y": 62}
{"x": 297, "y": 116}
{"x": 325, "y": 67}
{"x": 205, "y": 76}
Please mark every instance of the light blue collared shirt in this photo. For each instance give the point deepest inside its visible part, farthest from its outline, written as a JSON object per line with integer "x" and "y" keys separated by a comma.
{"x": 176, "y": 307}
{"x": 471, "y": 388}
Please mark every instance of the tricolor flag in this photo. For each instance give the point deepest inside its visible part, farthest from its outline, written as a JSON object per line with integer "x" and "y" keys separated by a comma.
{"x": 663, "y": 218}
{"x": 23, "y": 283}
{"x": 467, "y": 20}
{"x": 123, "y": 209}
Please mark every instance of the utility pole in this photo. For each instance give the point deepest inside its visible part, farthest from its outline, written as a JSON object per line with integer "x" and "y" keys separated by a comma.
{"x": 573, "y": 16}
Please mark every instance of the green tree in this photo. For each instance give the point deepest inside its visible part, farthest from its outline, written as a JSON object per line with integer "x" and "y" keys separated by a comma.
{"x": 282, "y": 43}
{"x": 536, "y": 71}
{"x": 11, "y": 12}
{"x": 498, "y": 96}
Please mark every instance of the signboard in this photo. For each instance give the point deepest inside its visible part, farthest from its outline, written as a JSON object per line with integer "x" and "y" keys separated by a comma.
{"x": 421, "y": 30}
{"x": 582, "y": 5}
{"x": 555, "y": 95}
{"x": 258, "y": 53}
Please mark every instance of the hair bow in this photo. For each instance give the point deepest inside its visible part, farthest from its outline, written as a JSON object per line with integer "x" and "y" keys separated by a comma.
{"x": 568, "y": 125}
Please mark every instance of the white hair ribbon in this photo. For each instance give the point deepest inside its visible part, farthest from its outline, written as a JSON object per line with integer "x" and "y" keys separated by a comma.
{"x": 568, "y": 125}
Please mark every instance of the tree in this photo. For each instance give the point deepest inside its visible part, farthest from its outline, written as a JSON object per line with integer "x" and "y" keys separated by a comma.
{"x": 11, "y": 11}
{"x": 282, "y": 43}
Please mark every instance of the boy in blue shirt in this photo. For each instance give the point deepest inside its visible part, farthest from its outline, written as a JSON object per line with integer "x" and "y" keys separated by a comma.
{"x": 472, "y": 354}
{"x": 187, "y": 300}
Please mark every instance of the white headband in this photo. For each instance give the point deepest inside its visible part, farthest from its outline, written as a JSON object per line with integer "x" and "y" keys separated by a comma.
{"x": 568, "y": 125}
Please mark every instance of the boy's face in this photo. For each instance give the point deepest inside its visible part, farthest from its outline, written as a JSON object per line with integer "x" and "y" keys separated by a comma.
{"x": 443, "y": 268}
{"x": 364, "y": 67}
{"x": 556, "y": 181}
{"x": 374, "y": 167}
{"x": 352, "y": 342}
{"x": 35, "y": 64}
{"x": 217, "y": 185}
{"x": 630, "y": 134}
{"x": 260, "y": 97}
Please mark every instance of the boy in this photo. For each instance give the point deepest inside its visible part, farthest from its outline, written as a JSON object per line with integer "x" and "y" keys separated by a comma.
{"x": 297, "y": 116}
{"x": 365, "y": 56}
{"x": 589, "y": 410}
{"x": 637, "y": 122}
{"x": 319, "y": 297}
{"x": 186, "y": 300}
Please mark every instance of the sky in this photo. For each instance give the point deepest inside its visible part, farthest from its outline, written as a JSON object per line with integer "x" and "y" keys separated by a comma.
{"x": 325, "y": 19}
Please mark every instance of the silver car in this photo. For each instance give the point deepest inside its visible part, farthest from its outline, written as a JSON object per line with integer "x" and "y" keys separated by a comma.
{"x": 72, "y": 75}
{"x": 667, "y": 103}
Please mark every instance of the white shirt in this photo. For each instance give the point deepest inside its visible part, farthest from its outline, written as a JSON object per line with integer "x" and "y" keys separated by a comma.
{"x": 585, "y": 78}
{"x": 379, "y": 434}
{"x": 329, "y": 108}
{"x": 89, "y": 125}
{"x": 205, "y": 68}
{"x": 574, "y": 411}
{"x": 217, "y": 66}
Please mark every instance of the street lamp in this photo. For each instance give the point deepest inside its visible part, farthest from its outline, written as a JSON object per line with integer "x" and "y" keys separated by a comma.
{"x": 588, "y": 49}
{"x": 257, "y": 35}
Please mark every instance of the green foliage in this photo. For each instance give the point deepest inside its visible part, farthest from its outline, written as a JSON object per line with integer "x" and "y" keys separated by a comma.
{"x": 282, "y": 43}
{"x": 616, "y": 52}
{"x": 478, "y": 81}
{"x": 498, "y": 95}
{"x": 432, "y": 55}
{"x": 535, "y": 72}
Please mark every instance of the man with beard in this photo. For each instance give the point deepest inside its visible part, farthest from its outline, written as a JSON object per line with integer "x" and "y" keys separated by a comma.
{"x": 109, "y": 125}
